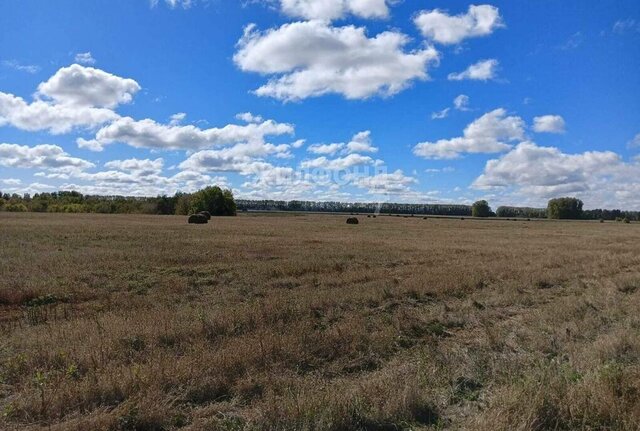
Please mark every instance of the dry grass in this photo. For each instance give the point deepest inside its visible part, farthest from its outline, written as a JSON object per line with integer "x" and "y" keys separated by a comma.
{"x": 307, "y": 323}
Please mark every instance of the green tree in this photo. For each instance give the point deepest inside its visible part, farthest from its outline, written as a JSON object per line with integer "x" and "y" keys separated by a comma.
{"x": 215, "y": 200}
{"x": 564, "y": 208}
{"x": 481, "y": 209}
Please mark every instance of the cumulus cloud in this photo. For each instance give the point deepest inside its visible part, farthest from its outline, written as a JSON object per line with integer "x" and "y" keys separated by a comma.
{"x": 140, "y": 166}
{"x": 74, "y": 97}
{"x": 310, "y": 59}
{"x": 395, "y": 182}
{"x": 50, "y": 157}
{"x": 329, "y": 149}
{"x": 537, "y": 173}
{"x": 483, "y": 70}
{"x": 337, "y": 164}
{"x": 149, "y": 134}
{"x": 361, "y": 143}
{"x": 491, "y": 133}
{"x": 85, "y": 58}
{"x": 549, "y": 124}
{"x": 334, "y": 9}
{"x": 447, "y": 29}
{"x": 56, "y": 118}
{"x": 246, "y": 159}
{"x": 86, "y": 86}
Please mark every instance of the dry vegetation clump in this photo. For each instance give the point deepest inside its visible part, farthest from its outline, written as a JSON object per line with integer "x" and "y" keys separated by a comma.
{"x": 352, "y": 220}
{"x": 301, "y": 323}
{"x": 199, "y": 218}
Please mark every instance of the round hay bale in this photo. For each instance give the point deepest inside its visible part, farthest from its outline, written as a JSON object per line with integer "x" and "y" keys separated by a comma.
{"x": 374, "y": 216}
{"x": 198, "y": 219}
{"x": 207, "y": 214}
{"x": 352, "y": 220}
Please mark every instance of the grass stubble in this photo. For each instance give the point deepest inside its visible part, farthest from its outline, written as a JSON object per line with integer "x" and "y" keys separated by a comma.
{"x": 303, "y": 322}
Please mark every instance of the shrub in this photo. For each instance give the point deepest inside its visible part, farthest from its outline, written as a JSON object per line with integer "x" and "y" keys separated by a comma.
{"x": 626, "y": 220}
{"x": 480, "y": 209}
{"x": 198, "y": 219}
{"x": 564, "y": 208}
{"x": 352, "y": 220}
{"x": 16, "y": 207}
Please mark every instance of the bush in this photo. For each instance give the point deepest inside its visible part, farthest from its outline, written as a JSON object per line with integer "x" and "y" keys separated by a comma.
{"x": 15, "y": 207}
{"x": 198, "y": 219}
{"x": 352, "y": 220}
{"x": 480, "y": 209}
{"x": 564, "y": 208}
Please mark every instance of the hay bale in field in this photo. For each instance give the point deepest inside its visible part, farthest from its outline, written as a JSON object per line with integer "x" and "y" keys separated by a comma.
{"x": 368, "y": 216}
{"x": 374, "y": 216}
{"x": 207, "y": 214}
{"x": 352, "y": 220}
{"x": 198, "y": 219}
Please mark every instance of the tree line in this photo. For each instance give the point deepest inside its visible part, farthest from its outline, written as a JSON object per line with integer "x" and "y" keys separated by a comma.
{"x": 217, "y": 201}
{"x": 221, "y": 202}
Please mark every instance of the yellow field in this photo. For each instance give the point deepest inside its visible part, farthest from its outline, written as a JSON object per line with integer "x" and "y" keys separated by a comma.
{"x": 302, "y": 322}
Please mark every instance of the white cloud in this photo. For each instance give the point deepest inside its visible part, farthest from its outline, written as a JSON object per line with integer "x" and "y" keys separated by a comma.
{"x": 329, "y": 149}
{"x": 312, "y": 58}
{"x": 86, "y": 86}
{"x": 487, "y": 134}
{"x": 185, "y": 4}
{"x": 56, "y": 118}
{"x": 534, "y": 174}
{"x": 395, "y": 182}
{"x": 176, "y": 119}
{"x": 483, "y": 70}
{"x": 334, "y": 9}
{"x": 85, "y": 58}
{"x": 635, "y": 142}
{"x": 248, "y": 117}
{"x": 246, "y": 159}
{"x": 461, "y": 102}
{"x": 149, "y": 134}
{"x": 447, "y": 29}
{"x": 12, "y": 181}
{"x": 299, "y": 143}
{"x": 338, "y": 164}
{"x": 14, "y": 64}
{"x": 549, "y": 124}
{"x": 140, "y": 166}
{"x": 50, "y": 157}
{"x": 626, "y": 25}
{"x": 361, "y": 143}
{"x": 440, "y": 114}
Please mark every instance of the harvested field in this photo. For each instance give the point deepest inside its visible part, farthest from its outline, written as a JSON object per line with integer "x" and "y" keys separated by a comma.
{"x": 302, "y": 322}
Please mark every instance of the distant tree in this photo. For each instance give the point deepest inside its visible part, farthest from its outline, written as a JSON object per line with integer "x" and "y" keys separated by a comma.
{"x": 183, "y": 203}
{"x": 215, "y": 200}
{"x": 481, "y": 209}
{"x": 564, "y": 208}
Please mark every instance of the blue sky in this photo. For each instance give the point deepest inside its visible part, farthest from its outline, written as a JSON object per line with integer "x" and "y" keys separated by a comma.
{"x": 368, "y": 100}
